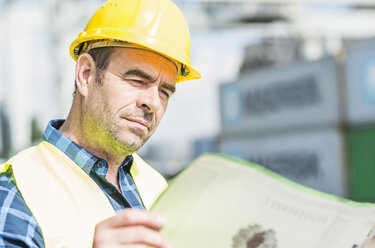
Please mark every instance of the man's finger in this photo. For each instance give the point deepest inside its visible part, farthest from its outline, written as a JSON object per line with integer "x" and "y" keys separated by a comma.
{"x": 130, "y": 217}
{"x": 140, "y": 235}
{"x": 136, "y": 246}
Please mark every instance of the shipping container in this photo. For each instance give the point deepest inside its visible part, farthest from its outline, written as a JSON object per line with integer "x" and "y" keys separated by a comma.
{"x": 314, "y": 158}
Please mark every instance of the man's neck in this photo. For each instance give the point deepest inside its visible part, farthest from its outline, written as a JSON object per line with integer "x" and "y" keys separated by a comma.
{"x": 114, "y": 162}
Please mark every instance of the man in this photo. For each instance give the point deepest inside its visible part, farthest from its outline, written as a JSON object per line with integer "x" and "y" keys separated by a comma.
{"x": 84, "y": 186}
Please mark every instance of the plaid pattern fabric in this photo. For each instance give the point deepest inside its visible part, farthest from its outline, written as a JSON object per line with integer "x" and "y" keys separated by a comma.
{"x": 18, "y": 227}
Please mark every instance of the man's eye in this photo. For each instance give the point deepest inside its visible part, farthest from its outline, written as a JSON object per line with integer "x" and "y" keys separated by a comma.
{"x": 165, "y": 94}
{"x": 137, "y": 82}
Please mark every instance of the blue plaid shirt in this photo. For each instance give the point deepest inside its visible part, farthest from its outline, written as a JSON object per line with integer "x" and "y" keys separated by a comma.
{"x": 18, "y": 227}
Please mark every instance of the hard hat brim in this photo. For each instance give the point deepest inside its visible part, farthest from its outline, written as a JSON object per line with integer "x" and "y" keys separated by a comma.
{"x": 150, "y": 44}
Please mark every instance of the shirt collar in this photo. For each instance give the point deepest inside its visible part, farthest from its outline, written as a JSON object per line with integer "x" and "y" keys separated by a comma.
{"x": 75, "y": 152}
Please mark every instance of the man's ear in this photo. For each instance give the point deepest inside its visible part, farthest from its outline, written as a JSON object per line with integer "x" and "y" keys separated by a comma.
{"x": 85, "y": 73}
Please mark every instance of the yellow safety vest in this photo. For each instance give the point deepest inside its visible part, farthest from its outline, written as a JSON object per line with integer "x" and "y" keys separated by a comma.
{"x": 65, "y": 201}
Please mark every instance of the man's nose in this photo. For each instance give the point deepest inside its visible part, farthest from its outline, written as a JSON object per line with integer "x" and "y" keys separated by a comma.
{"x": 150, "y": 99}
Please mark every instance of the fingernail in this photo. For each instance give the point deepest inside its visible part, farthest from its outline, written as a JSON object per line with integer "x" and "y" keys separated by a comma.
{"x": 161, "y": 219}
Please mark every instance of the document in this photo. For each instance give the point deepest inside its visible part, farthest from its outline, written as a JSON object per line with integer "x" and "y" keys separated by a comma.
{"x": 222, "y": 202}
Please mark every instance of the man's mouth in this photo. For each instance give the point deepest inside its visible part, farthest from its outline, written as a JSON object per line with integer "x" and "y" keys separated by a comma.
{"x": 138, "y": 121}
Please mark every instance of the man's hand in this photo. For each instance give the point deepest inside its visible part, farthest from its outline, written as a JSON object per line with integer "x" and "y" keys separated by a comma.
{"x": 131, "y": 228}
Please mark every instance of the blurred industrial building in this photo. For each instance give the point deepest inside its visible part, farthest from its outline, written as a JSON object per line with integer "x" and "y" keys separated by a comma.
{"x": 287, "y": 84}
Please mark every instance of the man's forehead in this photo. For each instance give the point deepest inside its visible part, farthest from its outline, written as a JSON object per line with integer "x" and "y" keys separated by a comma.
{"x": 134, "y": 57}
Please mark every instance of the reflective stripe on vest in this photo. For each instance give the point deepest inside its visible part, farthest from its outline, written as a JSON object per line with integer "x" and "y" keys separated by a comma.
{"x": 65, "y": 201}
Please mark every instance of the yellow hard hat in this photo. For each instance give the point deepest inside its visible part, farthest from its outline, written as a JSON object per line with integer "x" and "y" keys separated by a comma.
{"x": 157, "y": 25}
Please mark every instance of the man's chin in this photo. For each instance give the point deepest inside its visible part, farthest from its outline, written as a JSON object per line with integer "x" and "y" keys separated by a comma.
{"x": 132, "y": 139}
{"x": 132, "y": 143}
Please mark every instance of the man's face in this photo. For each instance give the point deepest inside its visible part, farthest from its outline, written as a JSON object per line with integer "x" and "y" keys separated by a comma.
{"x": 124, "y": 110}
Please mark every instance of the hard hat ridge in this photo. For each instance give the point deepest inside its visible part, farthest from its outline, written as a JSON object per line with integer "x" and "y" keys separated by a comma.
{"x": 156, "y": 25}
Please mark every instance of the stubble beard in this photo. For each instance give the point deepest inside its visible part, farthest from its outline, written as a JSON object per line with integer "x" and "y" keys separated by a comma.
{"x": 132, "y": 139}
{"x": 106, "y": 131}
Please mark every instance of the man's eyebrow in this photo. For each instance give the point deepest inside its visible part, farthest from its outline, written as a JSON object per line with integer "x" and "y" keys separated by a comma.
{"x": 142, "y": 74}
{"x": 139, "y": 73}
{"x": 169, "y": 87}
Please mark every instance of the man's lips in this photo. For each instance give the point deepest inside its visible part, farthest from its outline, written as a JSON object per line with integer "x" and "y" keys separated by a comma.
{"x": 139, "y": 121}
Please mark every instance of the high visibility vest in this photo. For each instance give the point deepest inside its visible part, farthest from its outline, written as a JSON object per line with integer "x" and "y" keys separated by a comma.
{"x": 65, "y": 201}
